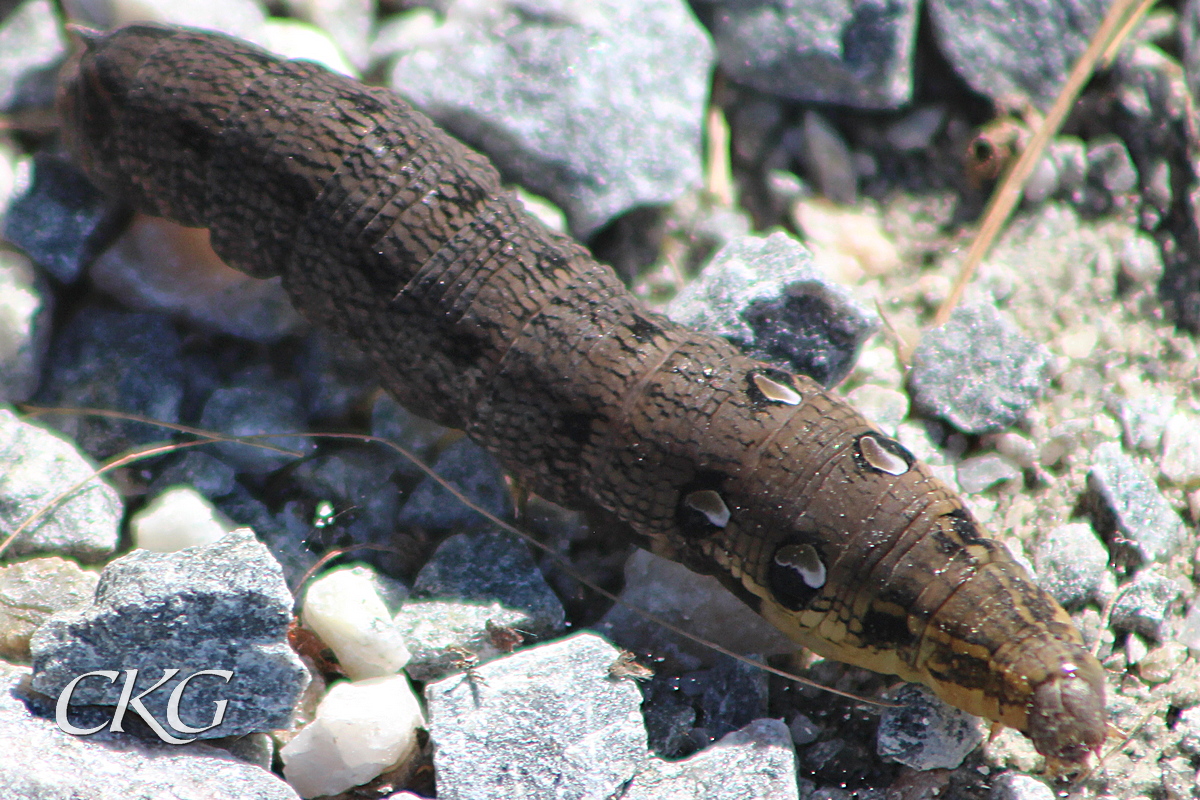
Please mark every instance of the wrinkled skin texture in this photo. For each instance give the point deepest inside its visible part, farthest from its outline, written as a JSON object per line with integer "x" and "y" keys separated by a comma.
{"x": 390, "y": 232}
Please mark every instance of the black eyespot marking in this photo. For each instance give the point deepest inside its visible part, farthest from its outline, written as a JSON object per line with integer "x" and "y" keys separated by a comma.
{"x": 577, "y": 426}
{"x": 772, "y": 387}
{"x": 877, "y": 453}
{"x": 464, "y": 348}
{"x": 796, "y": 574}
{"x": 702, "y": 508}
{"x": 643, "y": 330}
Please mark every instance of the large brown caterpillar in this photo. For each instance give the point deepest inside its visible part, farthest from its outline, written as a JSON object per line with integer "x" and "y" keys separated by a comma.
{"x": 391, "y": 232}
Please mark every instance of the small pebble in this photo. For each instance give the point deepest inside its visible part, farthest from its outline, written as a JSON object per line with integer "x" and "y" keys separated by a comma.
{"x": 391, "y": 421}
{"x": 179, "y": 517}
{"x": 208, "y": 475}
{"x": 1144, "y": 420}
{"x": 1072, "y": 564}
{"x": 1189, "y": 632}
{"x": 32, "y": 44}
{"x": 255, "y": 408}
{"x": 1042, "y": 182}
{"x": 361, "y": 730}
{"x": 156, "y": 265}
{"x": 1181, "y": 450}
{"x": 765, "y": 294}
{"x": 803, "y": 730}
{"x": 1161, "y": 663}
{"x": 442, "y": 635}
{"x": 819, "y": 52}
{"x": 1141, "y": 260}
{"x": 978, "y": 473}
{"x": 224, "y": 606}
{"x": 547, "y": 721}
{"x": 596, "y": 105}
{"x": 344, "y": 609}
{"x": 1147, "y": 605}
{"x": 878, "y": 365}
{"x": 1128, "y": 509}
{"x": 925, "y": 733}
{"x": 37, "y": 465}
{"x": 475, "y": 473}
{"x": 1136, "y": 649}
{"x": 493, "y": 566}
{"x": 1015, "y": 48}
{"x": 241, "y": 18}
{"x": 672, "y": 592}
{"x": 120, "y": 361}
{"x": 1189, "y": 729}
{"x": 847, "y": 244}
{"x": 756, "y": 761}
{"x": 1110, "y": 167}
{"x": 293, "y": 38}
{"x": 978, "y": 371}
{"x": 1079, "y": 342}
{"x": 1014, "y": 786}
{"x": 61, "y": 221}
{"x": 916, "y": 129}
{"x": 348, "y": 23}
{"x": 828, "y": 160}
{"x": 887, "y": 408}
{"x": 33, "y": 590}
{"x": 729, "y": 696}
{"x": 1017, "y": 449}
{"x": 26, "y": 305}
{"x": 1069, "y": 154}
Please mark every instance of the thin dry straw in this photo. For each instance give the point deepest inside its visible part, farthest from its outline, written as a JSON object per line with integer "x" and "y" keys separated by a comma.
{"x": 1117, "y": 23}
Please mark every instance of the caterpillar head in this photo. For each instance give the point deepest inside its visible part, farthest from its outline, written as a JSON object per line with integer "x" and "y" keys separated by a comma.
{"x": 92, "y": 93}
{"x": 1066, "y": 715}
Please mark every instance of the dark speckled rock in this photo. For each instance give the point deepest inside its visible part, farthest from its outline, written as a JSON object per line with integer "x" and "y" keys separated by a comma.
{"x": 925, "y": 733}
{"x": 1015, "y": 48}
{"x": 41, "y": 761}
{"x": 475, "y": 473}
{"x": 1129, "y": 510}
{"x": 491, "y": 566}
{"x": 856, "y": 53}
{"x": 117, "y": 360}
{"x": 595, "y": 104}
{"x": 765, "y": 294}
{"x": 978, "y": 372}
{"x": 550, "y": 723}
{"x": 224, "y": 606}
{"x": 1147, "y": 605}
{"x": 254, "y": 408}
{"x": 62, "y": 222}
{"x": 37, "y": 465}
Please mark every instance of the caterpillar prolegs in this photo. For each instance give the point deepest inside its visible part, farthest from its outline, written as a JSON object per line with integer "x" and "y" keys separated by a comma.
{"x": 391, "y": 232}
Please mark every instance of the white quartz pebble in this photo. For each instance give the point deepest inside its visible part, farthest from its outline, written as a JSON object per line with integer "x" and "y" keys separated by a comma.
{"x": 344, "y": 609}
{"x": 178, "y": 518}
{"x": 361, "y": 730}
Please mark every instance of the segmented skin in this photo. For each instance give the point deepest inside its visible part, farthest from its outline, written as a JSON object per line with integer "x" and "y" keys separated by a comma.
{"x": 392, "y": 233}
